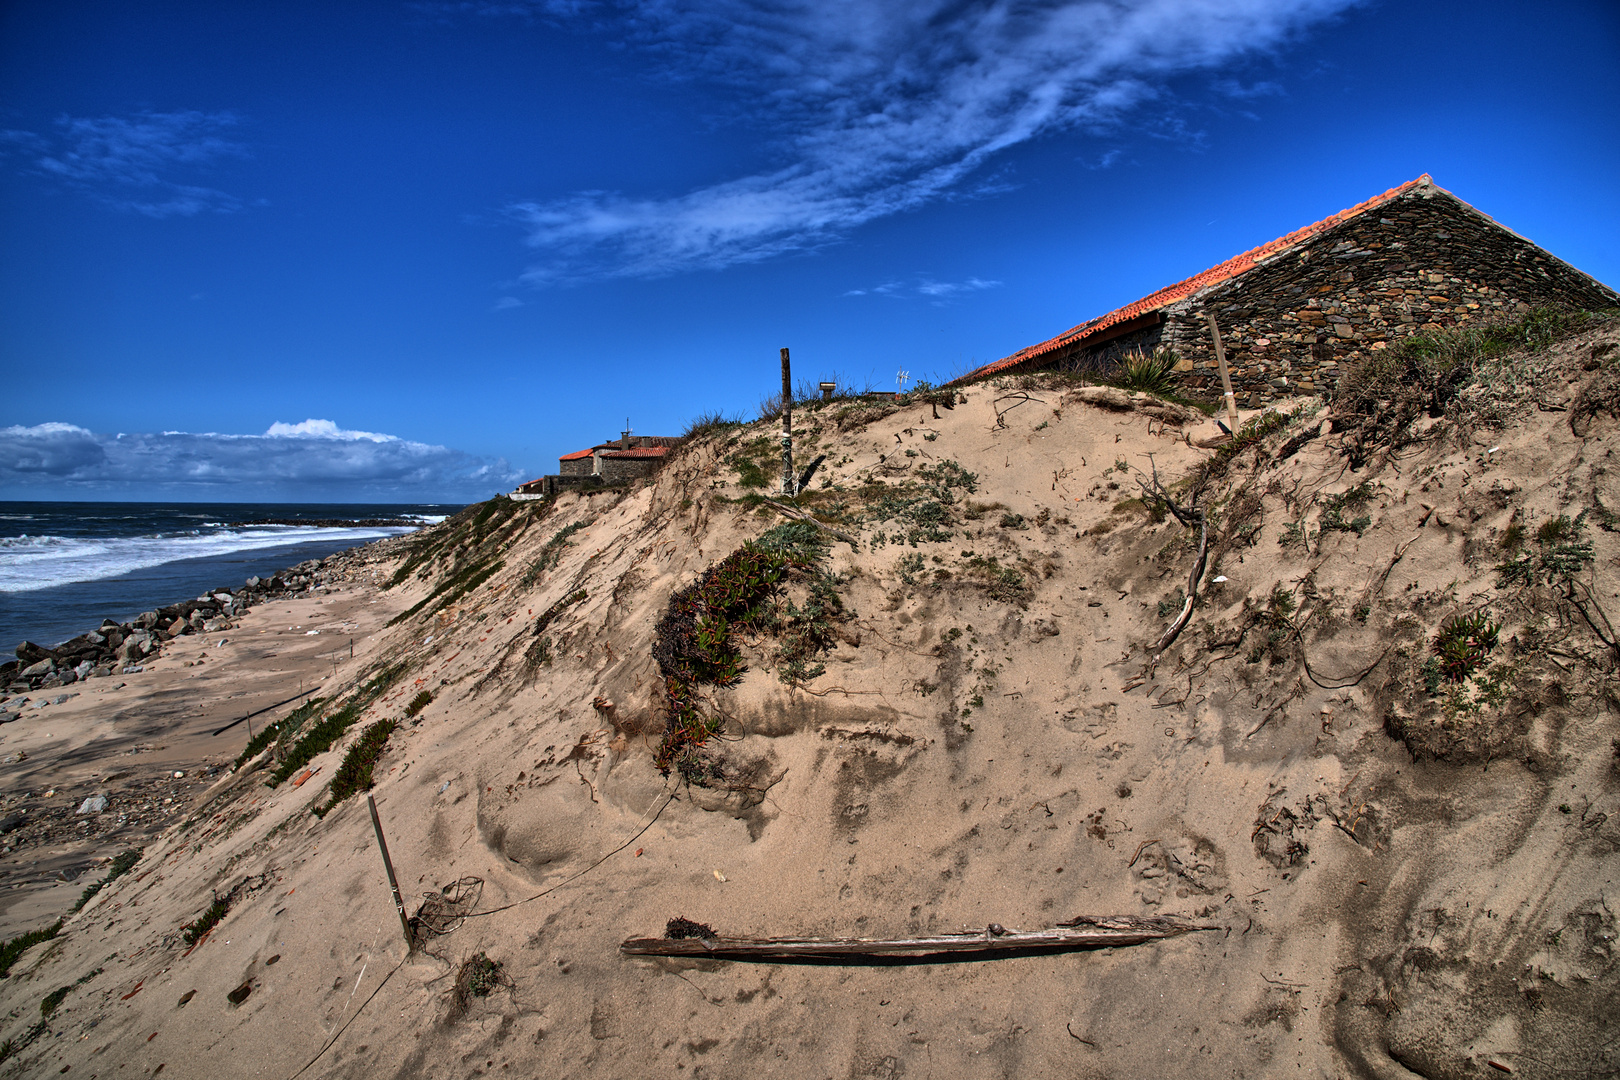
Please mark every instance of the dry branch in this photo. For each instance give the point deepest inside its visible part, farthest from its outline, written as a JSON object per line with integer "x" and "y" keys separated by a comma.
{"x": 799, "y": 515}
{"x": 1189, "y": 516}
{"x": 1084, "y": 932}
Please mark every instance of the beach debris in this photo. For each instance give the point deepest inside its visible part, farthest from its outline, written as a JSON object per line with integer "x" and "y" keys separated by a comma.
{"x": 15, "y": 759}
{"x": 718, "y": 876}
{"x": 684, "y": 938}
{"x": 298, "y": 781}
{"x": 240, "y": 994}
{"x": 95, "y": 804}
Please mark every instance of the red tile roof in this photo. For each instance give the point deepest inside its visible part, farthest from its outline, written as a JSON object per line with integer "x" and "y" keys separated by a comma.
{"x": 576, "y": 455}
{"x": 638, "y": 452}
{"x": 1231, "y": 268}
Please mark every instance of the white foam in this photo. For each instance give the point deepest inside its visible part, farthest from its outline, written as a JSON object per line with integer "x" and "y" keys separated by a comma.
{"x": 28, "y": 563}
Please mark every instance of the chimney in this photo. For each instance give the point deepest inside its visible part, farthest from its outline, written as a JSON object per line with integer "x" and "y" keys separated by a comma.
{"x": 624, "y": 436}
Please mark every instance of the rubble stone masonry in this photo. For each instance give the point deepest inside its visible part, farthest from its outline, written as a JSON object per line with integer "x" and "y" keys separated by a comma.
{"x": 1421, "y": 262}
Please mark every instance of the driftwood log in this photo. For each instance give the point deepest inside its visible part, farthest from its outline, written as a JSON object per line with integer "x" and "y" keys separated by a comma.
{"x": 1085, "y": 932}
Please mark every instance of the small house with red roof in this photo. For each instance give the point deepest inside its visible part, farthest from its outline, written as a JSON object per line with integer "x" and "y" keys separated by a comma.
{"x": 1296, "y": 311}
{"x": 628, "y": 457}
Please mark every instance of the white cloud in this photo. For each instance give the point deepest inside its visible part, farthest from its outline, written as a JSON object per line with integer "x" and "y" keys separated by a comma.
{"x": 926, "y": 288}
{"x": 313, "y": 457}
{"x": 884, "y": 108}
{"x": 132, "y": 162}
{"x": 322, "y": 429}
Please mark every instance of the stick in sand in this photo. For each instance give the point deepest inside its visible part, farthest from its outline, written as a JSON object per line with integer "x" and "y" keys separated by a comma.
{"x": 1086, "y": 931}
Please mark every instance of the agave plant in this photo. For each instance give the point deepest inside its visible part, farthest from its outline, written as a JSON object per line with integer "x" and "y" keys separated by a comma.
{"x": 1153, "y": 373}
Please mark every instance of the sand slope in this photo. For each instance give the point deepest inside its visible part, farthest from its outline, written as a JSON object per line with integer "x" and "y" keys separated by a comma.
{"x": 981, "y": 748}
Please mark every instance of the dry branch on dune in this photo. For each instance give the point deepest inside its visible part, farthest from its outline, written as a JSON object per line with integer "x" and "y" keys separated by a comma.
{"x": 1082, "y": 932}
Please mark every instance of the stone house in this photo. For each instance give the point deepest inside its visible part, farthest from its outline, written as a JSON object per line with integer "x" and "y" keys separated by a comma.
{"x": 628, "y": 457}
{"x": 1294, "y": 312}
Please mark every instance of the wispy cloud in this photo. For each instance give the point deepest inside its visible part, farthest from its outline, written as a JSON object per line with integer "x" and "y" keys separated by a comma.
{"x": 311, "y": 457}
{"x": 138, "y": 163}
{"x": 883, "y": 108}
{"x": 939, "y": 292}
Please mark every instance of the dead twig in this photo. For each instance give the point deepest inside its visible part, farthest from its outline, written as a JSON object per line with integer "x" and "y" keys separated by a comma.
{"x": 1138, "y": 854}
{"x": 799, "y": 515}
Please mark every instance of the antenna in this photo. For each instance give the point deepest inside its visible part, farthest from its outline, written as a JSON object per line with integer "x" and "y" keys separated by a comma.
{"x": 900, "y": 379}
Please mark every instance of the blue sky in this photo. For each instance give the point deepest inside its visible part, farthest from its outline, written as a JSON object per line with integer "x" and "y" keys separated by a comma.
{"x": 414, "y": 251}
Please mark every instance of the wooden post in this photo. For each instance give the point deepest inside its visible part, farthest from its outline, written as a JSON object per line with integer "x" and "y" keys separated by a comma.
{"x": 787, "y": 427}
{"x": 1226, "y": 377}
{"x": 393, "y": 882}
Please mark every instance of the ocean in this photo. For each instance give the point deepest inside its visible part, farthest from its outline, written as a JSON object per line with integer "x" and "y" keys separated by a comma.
{"x": 64, "y": 567}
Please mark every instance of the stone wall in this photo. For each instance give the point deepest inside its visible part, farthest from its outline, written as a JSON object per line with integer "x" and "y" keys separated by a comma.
{"x": 1421, "y": 262}
{"x": 617, "y": 469}
{"x": 578, "y": 467}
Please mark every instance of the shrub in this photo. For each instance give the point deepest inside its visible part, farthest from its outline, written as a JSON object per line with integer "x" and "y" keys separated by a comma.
{"x": 693, "y": 641}
{"x": 419, "y": 702}
{"x": 1153, "y": 373}
{"x": 1463, "y": 643}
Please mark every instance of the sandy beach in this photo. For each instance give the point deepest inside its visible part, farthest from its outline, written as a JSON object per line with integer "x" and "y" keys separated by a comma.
{"x": 126, "y": 737}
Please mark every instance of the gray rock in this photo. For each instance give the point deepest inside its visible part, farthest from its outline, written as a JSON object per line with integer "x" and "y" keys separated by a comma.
{"x": 95, "y": 638}
{"x": 13, "y": 822}
{"x": 84, "y": 669}
{"x": 44, "y": 667}
{"x": 95, "y": 804}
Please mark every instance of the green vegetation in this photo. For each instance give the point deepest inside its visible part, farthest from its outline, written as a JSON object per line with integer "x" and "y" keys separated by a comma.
{"x": 551, "y": 553}
{"x": 1463, "y": 643}
{"x": 708, "y": 423}
{"x": 1379, "y": 401}
{"x": 354, "y": 775}
{"x": 1153, "y": 373}
{"x": 52, "y": 1000}
{"x": 489, "y": 524}
{"x": 418, "y": 703}
{"x": 1002, "y": 582}
{"x": 11, "y": 950}
{"x": 122, "y": 864}
{"x": 1560, "y": 554}
{"x": 693, "y": 642}
{"x": 321, "y": 737}
{"x": 193, "y": 931}
{"x": 1335, "y": 506}
{"x": 269, "y": 733}
{"x": 479, "y": 977}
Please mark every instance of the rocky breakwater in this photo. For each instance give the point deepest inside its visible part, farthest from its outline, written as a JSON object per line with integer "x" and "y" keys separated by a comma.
{"x": 123, "y": 647}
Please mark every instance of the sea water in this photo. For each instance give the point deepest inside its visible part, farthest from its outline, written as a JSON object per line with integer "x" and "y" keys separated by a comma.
{"x": 64, "y": 567}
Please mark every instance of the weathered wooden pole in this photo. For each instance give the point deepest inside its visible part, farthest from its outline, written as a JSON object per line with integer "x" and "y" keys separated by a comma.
{"x": 787, "y": 427}
{"x": 393, "y": 882}
{"x": 1226, "y": 377}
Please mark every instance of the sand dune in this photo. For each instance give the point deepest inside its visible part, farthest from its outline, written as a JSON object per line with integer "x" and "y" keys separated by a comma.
{"x": 1411, "y": 875}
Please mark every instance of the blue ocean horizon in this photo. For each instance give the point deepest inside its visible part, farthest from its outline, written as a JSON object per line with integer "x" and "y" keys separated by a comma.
{"x": 66, "y": 566}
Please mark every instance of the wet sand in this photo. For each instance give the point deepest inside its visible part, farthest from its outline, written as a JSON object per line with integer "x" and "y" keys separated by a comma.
{"x": 127, "y": 736}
